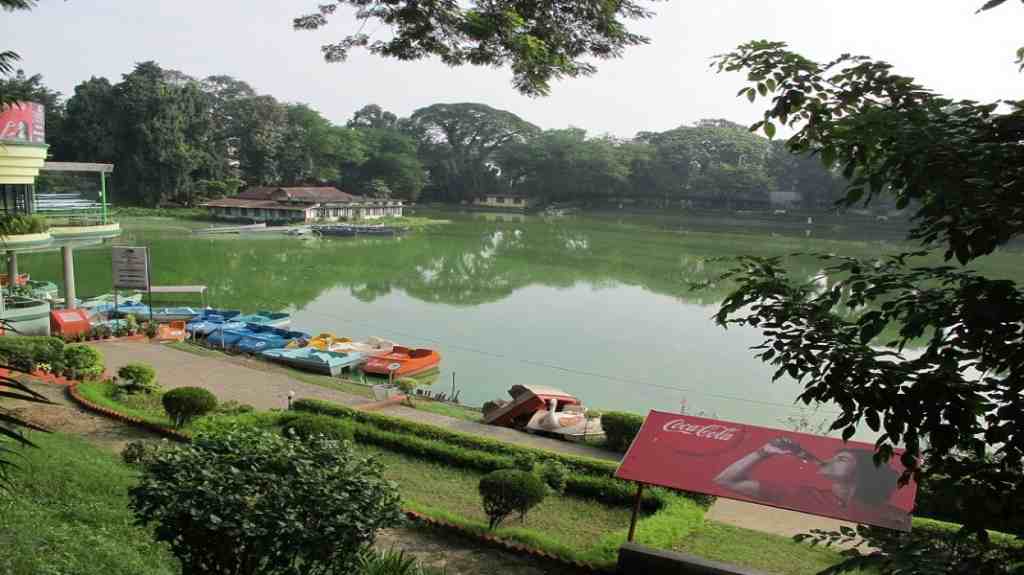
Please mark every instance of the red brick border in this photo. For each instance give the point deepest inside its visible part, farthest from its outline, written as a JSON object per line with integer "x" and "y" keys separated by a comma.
{"x": 72, "y": 391}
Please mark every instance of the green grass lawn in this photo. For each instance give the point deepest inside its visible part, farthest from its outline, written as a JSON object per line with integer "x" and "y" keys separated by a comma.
{"x": 566, "y": 520}
{"x": 67, "y": 513}
{"x": 145, "y": 407}
{"x": 765, "y": 552}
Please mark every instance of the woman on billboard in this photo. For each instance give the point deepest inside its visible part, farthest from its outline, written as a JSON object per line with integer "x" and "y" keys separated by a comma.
{"x": 860, "y": 490}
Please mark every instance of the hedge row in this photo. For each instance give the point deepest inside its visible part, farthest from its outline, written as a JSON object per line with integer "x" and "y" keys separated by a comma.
{"x": 476, "y": 443}
{"x": 25, "y": 352}
{"x": 592, "y": 478}
{"x": 620, "y": 428}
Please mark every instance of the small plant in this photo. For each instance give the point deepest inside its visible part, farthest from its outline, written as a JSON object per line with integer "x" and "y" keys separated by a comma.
{"x": 307, "y": 425}
{"x": 555, "y": 475}
{"x": 141, "y": 452}
{"x": 184, "y": 404}
{"x": 82, "y": 362}
{"x": 407, "y": 385}
{"x": 151, "y": 329}
{"x": 508, "y": 491}
{"x": 590, "y": 415}
{"x": 131, "y": 324}
{"x": 136, "y": 378}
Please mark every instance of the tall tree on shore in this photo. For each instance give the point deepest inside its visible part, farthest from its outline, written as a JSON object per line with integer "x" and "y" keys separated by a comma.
{"x": 89, "y": 119}
{"x": 373, "y": 116}
{"x": 459, "y": 143}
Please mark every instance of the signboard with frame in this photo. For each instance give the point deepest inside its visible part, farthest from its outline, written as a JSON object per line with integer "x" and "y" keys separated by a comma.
{"x": 131, "y": 267}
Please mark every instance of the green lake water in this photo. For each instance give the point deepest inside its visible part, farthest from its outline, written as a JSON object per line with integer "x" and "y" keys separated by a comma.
{"x": 599, "y": 306}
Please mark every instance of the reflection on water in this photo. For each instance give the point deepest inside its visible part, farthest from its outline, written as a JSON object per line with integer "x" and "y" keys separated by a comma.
{"x": 601, "y": 308}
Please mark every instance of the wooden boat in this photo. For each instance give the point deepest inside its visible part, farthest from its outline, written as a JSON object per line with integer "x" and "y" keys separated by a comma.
{"x": 311, "y": 359}
{"x": 409, "y": 361}
{"x": 527, "y": 400}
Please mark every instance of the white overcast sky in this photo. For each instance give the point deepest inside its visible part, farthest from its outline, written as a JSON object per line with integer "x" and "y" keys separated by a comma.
{"x": 656, "y": 87}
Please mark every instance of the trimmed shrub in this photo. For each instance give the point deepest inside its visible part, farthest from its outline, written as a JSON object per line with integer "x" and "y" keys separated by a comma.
{"x": 308, "y": 425}
{"x": 184, "y": 404}
{"x": 232, "y": 407}
{"x": 508, "y": 491}
{"x": 82, "y": 362}
{"x": 30, "y": 351}
{"x": 216, "y": 423}
{"x": 555, "y": 475}
{"x": 136, "y": 378}
{"x": 620, "y": 428}
{"x": 253, "y": 498}
{"x": 524, "y": 461}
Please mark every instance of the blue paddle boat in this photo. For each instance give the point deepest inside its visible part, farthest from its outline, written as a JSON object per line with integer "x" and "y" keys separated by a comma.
{"x": 311, "y": 359}
{"x": 211, "y": 319}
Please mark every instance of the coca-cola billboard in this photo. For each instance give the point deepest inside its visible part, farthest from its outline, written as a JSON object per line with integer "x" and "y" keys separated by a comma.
{"x": 23, "y": 122}
{"x": 808, "y": 473}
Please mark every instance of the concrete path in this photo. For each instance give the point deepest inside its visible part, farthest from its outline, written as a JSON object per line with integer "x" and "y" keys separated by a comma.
{"x": 265, "y": 386}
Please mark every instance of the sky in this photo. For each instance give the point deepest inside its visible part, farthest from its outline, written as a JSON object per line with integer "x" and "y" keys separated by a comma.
{"x": 657, "y": 87}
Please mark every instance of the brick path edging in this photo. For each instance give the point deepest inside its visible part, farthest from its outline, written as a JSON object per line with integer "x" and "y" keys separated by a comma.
{"x": 72, "y": 391}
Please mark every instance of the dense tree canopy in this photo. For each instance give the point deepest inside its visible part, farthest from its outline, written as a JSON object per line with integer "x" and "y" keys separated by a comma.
{"x": 179, "y": 139}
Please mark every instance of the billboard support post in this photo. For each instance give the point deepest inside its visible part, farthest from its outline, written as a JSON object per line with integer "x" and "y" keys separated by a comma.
{"x": 636, "y": 511}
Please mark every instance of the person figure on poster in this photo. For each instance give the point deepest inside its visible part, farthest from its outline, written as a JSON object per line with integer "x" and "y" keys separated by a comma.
{"x": 860, "y": 489}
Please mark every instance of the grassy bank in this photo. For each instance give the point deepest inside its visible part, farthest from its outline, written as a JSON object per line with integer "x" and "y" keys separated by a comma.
{"x": 67, "y": 512}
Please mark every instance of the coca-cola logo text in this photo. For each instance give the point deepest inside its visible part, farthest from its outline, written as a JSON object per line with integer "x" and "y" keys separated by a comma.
{"x": 712, "y": 431}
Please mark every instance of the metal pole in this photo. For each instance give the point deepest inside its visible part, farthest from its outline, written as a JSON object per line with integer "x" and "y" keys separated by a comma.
{"x": 149, "y": 286}
{"x": 636, "y": 511}
{"x": 453, "y": 384}
{"x": 103, "y": 194}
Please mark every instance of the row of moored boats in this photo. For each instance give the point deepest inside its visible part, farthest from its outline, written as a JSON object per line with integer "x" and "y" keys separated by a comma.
{"x": 267, "y": 334}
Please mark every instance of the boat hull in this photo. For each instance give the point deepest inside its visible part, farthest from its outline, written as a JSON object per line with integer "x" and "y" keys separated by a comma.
{"x": 410, "y": 362}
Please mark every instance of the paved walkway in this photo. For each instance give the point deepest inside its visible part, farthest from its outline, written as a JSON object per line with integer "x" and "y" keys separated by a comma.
{"x": 265, "y": 386}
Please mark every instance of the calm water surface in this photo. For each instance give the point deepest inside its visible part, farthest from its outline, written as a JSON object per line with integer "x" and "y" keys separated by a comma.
{"x": 599, "y": 306}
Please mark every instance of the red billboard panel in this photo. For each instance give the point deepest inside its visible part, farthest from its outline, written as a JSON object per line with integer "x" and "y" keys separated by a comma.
{"x": 807, "y": 473}
{"x": 23, "y": 122}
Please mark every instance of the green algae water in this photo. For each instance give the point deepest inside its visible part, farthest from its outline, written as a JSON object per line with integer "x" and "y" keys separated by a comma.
{"x": 601, "y": 306}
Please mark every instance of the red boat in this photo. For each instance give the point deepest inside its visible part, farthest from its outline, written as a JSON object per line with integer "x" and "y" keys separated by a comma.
{"x": 409, "y": 361}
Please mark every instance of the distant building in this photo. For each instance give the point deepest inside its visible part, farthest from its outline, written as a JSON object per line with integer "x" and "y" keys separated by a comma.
{"x": 504, "y": 202}
{"x": 301, "y": 204}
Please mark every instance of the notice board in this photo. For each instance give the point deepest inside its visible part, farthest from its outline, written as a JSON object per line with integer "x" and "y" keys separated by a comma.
{"x": 131, "y": 267}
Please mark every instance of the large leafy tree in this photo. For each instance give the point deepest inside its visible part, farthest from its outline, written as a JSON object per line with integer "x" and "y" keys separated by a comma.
{"x": 259, "y": 133}
{"x": 956, "y": 406}
{"x": 8, "y": 58}
{"x": 89, "y": 120}
{"x": 459, "y": 142}
{"x": 373, "y": 116}
{"x": 540, "y": 41}
{"x": 313, "y": 150}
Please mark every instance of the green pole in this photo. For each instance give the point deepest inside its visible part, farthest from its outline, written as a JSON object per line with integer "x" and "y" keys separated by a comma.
{"x": 103, "y": 194}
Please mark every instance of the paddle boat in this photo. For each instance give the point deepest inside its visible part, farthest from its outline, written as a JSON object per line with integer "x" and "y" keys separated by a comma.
{"x": 527, "y": 400}
{"x": 268, "y": 337}
{"x": 409, "y": 361}
{"x": 372, "y": 346}
{"x": 209, "y": 320}
{"x": 568, "y": 421}
{"x": 331, "y": 363}
{"x": 159, "y": 314}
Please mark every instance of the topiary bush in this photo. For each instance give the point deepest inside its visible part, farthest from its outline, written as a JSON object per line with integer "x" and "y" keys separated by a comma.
{"x": 249, "y": 497}
{"x": 136, "y": 378}
{"x": 184, "y": 404}
{"x": 307, "y": 425}
{"x": 620, "y": 428}
{"x": 508, "y": 491}
{"x": 555, "y": 475}
{"x": 82, "y": 362}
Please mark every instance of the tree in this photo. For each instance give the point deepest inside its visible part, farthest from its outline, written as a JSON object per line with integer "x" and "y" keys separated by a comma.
{"x": 89, "y": 120}
{"x": 23, "y": 88}
{"x": 459, "y": 142}
{"x": 373, "y": 116}
{"x": 9, "y": 57}
{"x": 259, "y": 131}
{"x": 954, "y": 408}
{"x": 312, "y": 149}
{"x": 538, "y": 41}
{"x": 248, "y": 501}
{"x": 391, "y": 158}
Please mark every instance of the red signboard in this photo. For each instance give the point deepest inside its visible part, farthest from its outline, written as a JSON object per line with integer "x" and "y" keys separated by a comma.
{"x": 808, "y": 473}
{"x": 23, "y": 122}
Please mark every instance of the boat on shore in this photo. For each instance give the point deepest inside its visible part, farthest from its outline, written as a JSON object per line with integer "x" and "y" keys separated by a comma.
{"x": 350, "y": 230}
{"x": 318, "y": 361}
{"x": 372, "y": 346}
{"x": 159, "y": 314}
{"x": 266, "y": 337}
{"x": 210, "y": 320}
{"x": 409, "y": 361}
{"x": 544, "y": 410}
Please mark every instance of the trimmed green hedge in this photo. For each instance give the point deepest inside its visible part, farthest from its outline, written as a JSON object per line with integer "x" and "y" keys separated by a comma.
{"x": 26, "y": 352}
{"x": 620, "y": 428}
{"x": 591, "y": 479}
